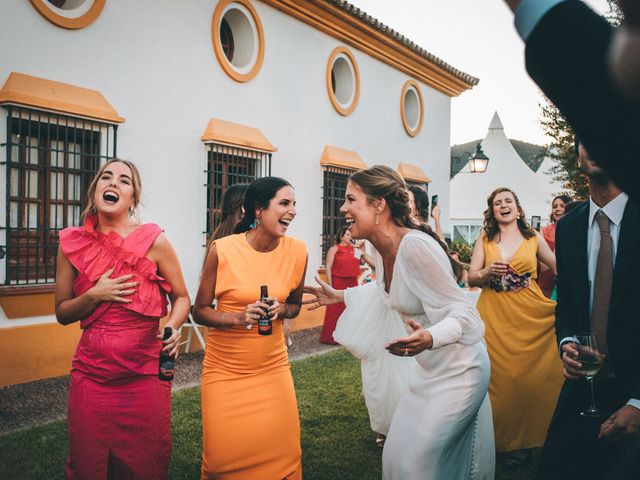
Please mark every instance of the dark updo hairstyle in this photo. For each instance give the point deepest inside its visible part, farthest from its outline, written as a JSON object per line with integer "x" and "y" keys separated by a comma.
{"x": 230, "y": 210}
{"x": 258, "y": 196}
{"x": 380, "y": 182}
{"x": 340, "y": 233}
{"x": 490, "y": 224}
{"x": 565, "y": 199}
{"x": 231, "y": 214}
{"x": 421, "y": 199}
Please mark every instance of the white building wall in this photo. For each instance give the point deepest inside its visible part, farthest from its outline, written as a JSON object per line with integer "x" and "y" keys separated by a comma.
{"x": 154, "y": 61}
{"x": 469, "y": 192}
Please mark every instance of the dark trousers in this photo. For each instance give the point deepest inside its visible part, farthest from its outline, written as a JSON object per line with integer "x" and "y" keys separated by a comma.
{"x": 572, "y": 448}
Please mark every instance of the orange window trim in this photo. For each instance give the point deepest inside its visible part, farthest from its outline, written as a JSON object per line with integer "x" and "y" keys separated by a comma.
{"x": 236, "y": 135}
{"x": 412, "y": 173}
{"x": 69, "y": 23}
{"x": 26, "y": 90}
{"x": 412, "y": 132}
{"x": 341, "y": 157}
{"x": 348, "y": 110}
{"x": 217, "y": 43}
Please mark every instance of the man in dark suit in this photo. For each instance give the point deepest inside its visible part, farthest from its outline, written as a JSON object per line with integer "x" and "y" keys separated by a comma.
{"x": 605, "y": 227}
{"x": 568, "y": 47}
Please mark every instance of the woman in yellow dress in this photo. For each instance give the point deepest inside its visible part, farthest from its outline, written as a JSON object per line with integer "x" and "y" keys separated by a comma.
{"x": 250, "y": 422}
{"x": 526, "y": 372}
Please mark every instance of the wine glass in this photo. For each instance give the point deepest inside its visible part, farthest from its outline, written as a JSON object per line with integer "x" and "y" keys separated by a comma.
{"x": 504, "y": 255}
{"x": 591, "y": 360}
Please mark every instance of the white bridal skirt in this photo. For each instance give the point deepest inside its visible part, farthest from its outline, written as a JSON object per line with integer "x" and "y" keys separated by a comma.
{"x": 434, "y": 407}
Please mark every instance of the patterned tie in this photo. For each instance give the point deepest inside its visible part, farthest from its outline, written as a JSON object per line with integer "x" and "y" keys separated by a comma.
{"x": 602, "y": 282}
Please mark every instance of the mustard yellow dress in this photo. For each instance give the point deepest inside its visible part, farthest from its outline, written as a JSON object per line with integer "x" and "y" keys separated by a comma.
{"x": 526, "y": 371}
{"x": 250, "y": 422}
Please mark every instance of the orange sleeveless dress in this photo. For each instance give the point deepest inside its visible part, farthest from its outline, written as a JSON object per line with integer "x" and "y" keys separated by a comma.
{"x": 250, "y": 422}
{"x": 526, "y": 371}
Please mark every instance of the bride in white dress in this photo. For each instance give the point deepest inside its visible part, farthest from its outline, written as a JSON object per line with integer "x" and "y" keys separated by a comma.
{"x": 436, "y": 402}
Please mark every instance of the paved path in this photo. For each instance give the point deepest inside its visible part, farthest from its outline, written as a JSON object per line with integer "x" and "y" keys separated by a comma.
{"x": 29, "y": 404}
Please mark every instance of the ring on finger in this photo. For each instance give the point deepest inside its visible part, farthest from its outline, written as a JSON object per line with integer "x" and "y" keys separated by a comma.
{"x": 119, "y": 293}
{"x": 406, "y": 352}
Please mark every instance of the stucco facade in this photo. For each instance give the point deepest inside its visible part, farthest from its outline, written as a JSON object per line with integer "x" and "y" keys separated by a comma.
{"x": 154, "y": 63}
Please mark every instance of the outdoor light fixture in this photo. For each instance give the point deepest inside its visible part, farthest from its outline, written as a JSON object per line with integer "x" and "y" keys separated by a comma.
{"x": 478, "y": 161}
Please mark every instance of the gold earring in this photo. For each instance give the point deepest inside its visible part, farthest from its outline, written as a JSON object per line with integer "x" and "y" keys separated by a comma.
{"x": 377, "y": 219}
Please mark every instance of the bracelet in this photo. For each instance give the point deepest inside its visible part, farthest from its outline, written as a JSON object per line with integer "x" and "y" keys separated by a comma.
{"x": 288, "y": 311}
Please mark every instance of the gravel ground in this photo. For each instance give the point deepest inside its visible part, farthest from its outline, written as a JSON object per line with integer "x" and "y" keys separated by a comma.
{"x": 29, "y": 404}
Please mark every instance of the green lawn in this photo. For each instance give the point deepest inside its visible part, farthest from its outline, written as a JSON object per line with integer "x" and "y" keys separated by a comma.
{"x": 337, "y": 442}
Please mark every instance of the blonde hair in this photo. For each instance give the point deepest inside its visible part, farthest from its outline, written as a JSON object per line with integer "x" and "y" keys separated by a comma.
{"x": 136, "y": 182}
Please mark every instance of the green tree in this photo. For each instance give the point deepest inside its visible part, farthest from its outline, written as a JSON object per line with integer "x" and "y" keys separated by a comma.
{"x": 614, "y": 14}
{"x": 560, "y": 150}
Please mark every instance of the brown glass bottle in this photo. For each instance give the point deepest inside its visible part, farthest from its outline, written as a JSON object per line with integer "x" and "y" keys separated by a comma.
{"x": 264, "y": 322}
{"x": 165, "y": 371}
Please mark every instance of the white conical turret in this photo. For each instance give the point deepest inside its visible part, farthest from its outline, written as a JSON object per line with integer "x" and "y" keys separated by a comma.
{"x": 496, "y": 123}
{"x": 469, "y": 191}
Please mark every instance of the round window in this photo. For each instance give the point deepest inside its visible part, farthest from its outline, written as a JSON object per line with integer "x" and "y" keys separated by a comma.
{"x": 71, "y": 14}
{"x": 411, "y": 108}
{"x": 343, "y": 81}
{"x": 238, "y": 41}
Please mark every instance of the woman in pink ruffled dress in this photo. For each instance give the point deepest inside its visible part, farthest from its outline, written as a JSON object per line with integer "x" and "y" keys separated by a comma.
{"x": 114, "y": 275}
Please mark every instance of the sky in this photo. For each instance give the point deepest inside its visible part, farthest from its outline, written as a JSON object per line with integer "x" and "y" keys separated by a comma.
{"x": 477, "y": 37}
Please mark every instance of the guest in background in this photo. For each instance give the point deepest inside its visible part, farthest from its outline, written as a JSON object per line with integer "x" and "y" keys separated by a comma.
{"x": 526, "y": 373}
{"x": 250, "y": 422}
{"x": 419, "y": 205}
{"x": 572, "y": 204}
{"x": 231, "y": 210}
{"x": 463, "y": 281}
{"x": 546, "y": 280}
{"x": 343, "y": 269}
{"x": 114, "y": 275}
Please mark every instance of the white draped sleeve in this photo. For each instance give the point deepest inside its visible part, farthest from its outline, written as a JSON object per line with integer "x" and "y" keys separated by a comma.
{"x": 425, "y": 269}
{"x": 364, "y": 328}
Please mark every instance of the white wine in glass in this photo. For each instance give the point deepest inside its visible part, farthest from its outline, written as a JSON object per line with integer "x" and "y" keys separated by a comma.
{"x": 591, "y": 360}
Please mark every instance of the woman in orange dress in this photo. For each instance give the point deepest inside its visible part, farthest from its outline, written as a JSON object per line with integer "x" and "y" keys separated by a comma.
{"x": 250, "y": 422}
{"x": 546, "y": 279}
{"x": 526, "y": 372}
{"x": 114, "y": 275}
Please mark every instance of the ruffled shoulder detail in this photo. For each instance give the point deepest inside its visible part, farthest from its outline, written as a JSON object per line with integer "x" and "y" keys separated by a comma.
{"x": 92, "y": 253}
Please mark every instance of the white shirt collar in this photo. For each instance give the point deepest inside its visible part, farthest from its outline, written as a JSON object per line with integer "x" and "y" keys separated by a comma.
{"x": 614, "y": 209}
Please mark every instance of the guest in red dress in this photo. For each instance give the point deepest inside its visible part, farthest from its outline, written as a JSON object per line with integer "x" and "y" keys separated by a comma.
{"x": 546, "y": 280}
{"x": 114, "y": 275}
{"x": 343, "y": 269}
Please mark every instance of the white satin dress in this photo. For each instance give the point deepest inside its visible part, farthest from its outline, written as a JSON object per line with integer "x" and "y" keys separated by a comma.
{"x": 434, "y": 406}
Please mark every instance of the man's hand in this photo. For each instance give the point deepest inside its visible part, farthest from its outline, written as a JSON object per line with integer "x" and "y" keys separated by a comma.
{"x": 622, "y": 423}
{"x": 571, "y": 366}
